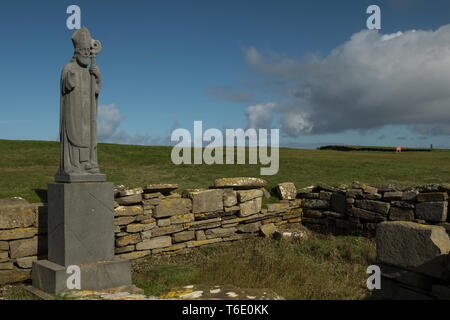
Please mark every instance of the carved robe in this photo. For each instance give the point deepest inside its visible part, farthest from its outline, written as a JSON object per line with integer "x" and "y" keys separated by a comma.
{"x": 75, "y": 119}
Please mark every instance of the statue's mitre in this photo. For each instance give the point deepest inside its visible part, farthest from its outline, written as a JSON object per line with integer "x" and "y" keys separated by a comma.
{"x": 81, "y": 38}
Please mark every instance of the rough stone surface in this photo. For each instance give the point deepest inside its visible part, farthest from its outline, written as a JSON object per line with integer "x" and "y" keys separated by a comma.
{"x": 250, "y": 207}
{"x": 128, "y": 210}
{"x": 129, "y": 200}
{"x": 268, "y": 230}
{"x": 229, "y": 197}
{"x": 158, "y": 242}
{"x": 18, "y": 233}
{"x": 401, "y": 214}
{"x": 432, "y": 211}
{"x": 27, "y": 247}
{"x": 286, "y": 190}
{"x": 161, "y": 187}
{"x": 240, "y": 183}
{"x": 206, "y": 200}
{"x": 246, "y": 195}
{"x": 16, "y": 216}
{"x": 432, "y": 197}
{"x": 171, "y": 207}
{"x": 377, "y": 206}
{"x": 415, "y": 247}
{"x": 183, "y": 236}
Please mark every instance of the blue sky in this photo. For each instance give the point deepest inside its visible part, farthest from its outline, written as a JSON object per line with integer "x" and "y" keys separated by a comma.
{"x": 236, "y": 64}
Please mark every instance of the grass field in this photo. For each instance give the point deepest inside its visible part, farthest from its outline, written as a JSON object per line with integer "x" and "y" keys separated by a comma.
{"x": 26, "y": 167}
{"x": 322, "y": 267}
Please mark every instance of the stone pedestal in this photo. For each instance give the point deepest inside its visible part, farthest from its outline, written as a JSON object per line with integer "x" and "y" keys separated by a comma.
{"x": 81, "y": 232}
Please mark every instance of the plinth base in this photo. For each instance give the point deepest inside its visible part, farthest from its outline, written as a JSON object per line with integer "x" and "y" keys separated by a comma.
{"x": 52, "y": 278}
{"x": 77, "y": 177}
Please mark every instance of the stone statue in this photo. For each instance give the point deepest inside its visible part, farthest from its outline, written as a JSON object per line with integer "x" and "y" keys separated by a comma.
{"x": 80, "y": 87}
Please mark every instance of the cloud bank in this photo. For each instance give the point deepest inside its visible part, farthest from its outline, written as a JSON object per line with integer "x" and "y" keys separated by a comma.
{"x": 368, "y": 82}
{"x": 109, "y": 120}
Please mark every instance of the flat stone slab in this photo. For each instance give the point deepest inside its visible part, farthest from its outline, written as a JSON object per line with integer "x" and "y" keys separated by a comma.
{"x": 240, "y": 183}
{"x": 52, "y": 278}
{"x": 160, "y": 187}
{"x": 223, "y": 292}
{"x": 416, "y": 247}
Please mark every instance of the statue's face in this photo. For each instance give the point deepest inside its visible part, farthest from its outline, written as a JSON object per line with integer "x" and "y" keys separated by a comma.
{"x": 82, "y": 55}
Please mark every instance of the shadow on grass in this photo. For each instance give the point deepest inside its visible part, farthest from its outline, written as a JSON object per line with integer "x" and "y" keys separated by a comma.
{"x": 42, "y": 194}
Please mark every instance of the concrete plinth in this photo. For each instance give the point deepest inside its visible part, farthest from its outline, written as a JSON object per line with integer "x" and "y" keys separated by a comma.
{"x": 52, "y": 278}
{"x": 80, "y": 222}
{"x": 81, "y": 233}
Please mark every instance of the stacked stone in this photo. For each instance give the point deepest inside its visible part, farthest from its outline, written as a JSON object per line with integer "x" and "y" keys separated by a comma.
{"x": 23, "y": 237}
{"x": 414, "y": 260}
{"x": 358, "y": 210}
{"x": 135, "y": 222}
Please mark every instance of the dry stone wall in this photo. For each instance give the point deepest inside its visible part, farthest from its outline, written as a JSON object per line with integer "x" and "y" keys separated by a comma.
{"x": 158, "y": 219}
{"x": 358, "y": 209}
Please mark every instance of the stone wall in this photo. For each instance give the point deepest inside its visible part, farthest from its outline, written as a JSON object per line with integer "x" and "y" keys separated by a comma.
{"x": 358, "y": 209}
{"x": 157, "y": 219}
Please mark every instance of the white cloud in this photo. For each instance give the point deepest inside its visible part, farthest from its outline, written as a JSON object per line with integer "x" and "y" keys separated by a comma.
{"x": 370, "y": 81}
{"x": 109, "y": 119}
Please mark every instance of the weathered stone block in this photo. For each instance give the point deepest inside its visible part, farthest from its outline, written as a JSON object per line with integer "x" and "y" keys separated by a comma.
{"x": 124, "y": 220}
{"x": 432, "y": 197}
{"x": 432, "y": 211}
{"x": 367, "y": 215}
{"x": 135, "y": 227}
{"x": 377, "y": 206}
{"x": 246, "y": 195}
{"x": 183, "y": 236}
{"x": 15, "y": 275}
{"x": 416, "y": 247}
{"x": 128, "y": 210}
{"x": 206, "y": 200}
{"x": 158, "y": 242}
{"x": 277, "y": 207}
{"x": 315, "y": 204}
{"x": 219, "y": 232}
{"x": 250, "y": 227}
{"x": 286, "y": 191}
{"x": 229, "y": 197}
{"x": 172, "y": 207}
{"x": 250, "y": 207}
{"x": 129, "y": 200}
{"x": 28, "y": 247}
{"x": 128, "y": 239}
{"x": 16, "y": 216}
{"x": 26, "y": 262}
{"x": 401, "y": 214}
{"x": 268, "y": 230}
{"x": 182, "y": 218}
{"x": 18, "y": 233}
{"x": 393, "y": 195}
{"x": 338, "y": 202}
{"x": 240, "y": 183}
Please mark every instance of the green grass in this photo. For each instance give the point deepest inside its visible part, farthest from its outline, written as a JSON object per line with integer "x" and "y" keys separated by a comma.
{"x": 26, "y": 167}
{"x": 316, "y": 268}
